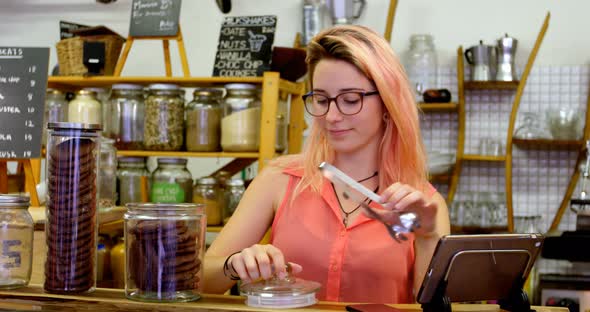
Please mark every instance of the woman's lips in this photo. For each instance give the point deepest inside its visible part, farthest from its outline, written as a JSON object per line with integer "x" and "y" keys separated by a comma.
{"x": 338, "y": 132}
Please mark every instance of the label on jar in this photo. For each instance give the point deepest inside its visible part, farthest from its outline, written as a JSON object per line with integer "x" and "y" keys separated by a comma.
{"x": 9, "y": 257}
{"x": 163, "y": 192}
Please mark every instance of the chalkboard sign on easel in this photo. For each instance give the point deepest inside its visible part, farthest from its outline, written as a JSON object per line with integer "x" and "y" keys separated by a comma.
{"x": 245, "y": 46}
{"x": 65, "y": 29}
{"x": 23, "y": 83}
{"x": 154, "y": 18}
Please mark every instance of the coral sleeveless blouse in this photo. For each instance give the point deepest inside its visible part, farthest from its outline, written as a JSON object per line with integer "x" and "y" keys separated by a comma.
{"x": 361, "y": 263}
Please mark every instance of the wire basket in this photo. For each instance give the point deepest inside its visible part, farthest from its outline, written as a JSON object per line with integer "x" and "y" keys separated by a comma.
{"x": 70, "y": 54}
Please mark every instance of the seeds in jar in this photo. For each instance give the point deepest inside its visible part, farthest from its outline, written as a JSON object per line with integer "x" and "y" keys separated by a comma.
{"x": 164, "y": 119}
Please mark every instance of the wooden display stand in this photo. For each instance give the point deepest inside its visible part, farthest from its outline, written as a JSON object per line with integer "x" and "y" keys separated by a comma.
{"x": 166, "y": 46}
{"x": 31, "y": 172}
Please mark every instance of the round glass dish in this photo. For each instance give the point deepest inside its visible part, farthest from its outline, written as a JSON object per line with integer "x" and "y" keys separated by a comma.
{"x": 276, "y": 293}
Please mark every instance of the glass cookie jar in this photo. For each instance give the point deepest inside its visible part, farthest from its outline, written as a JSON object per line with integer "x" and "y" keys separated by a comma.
{"x": 16, "y": 241}
{"x": 174, "y": 271}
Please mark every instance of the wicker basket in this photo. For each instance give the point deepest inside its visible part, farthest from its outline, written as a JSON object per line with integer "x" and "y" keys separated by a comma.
{"x": 70, "y": 53}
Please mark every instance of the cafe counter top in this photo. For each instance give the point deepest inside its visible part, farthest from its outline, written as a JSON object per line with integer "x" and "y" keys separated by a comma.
{"x": 32, "y": 298}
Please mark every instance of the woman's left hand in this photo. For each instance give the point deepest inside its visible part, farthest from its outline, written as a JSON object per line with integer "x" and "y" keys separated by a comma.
{"x": 400, "y": 198}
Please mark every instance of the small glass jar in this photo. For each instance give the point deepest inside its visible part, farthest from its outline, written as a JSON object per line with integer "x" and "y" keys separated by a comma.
{"x": 126, "y": 116}
{"x": 421, "y": 64}
{"x": 164, "y": 118}
{"x": 240, "y": 126}
{"x": 85, "y": 108}
{"x": 56, "y": 110}
{"x": 206, "y": 192}
{"x": 234, "y": 189}
{"x": 73, "y": 151}
{"x": 107, "y": 175}
{"x": 173, "y": 272}
{"x": 203, "y": 120}
{"x": 16, "y": 241}
{"x": 132, "y": 180}
{"x": 102, "y": 95}
{"x": 171, "y": 182}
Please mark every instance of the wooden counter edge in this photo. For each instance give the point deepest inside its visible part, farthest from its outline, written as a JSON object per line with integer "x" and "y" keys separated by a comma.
{"x": 33, "y": 297}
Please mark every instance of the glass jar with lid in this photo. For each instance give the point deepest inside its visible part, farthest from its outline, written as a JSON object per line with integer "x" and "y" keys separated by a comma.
{"x": 132, "y": 180}
{"x": 164, "y": 118}
{"x": 240, "y": 126}
{"x": 203, "y": 120}
{"x": 85, "y": 108}
{"x": 102, "y": 96}
{"x": 56, "y": 110}
{"x": 126, "y": 111}
{"x": 171, "y": 182}
{"x": 107, "y": 175}
{"x": 16, "y": 241}
{"x": 234, "y": 189}
{"x": 206, "y": 192}
{"x": 174, "y": 272}
{"x": 421, "y": 64}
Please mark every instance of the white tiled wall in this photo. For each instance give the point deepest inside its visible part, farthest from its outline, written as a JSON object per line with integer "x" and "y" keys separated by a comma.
{"x": 540, "y": 177}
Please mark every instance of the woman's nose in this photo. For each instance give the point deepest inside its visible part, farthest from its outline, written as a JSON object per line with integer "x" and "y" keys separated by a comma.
{"x": 333, "y": 113}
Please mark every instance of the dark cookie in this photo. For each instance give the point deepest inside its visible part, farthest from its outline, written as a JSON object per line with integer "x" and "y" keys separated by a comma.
{"x": 72, "y": 148}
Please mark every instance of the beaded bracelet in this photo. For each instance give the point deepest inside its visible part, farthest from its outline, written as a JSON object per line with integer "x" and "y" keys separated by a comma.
{"x": 226, "y": 268}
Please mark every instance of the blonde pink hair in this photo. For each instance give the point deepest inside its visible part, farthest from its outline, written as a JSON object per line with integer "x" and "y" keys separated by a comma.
{"x": 402, "y": 155}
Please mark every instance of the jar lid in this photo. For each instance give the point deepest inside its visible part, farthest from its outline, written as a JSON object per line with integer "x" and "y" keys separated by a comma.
{"x": 126, "y": 86}
{"x": 163, "y": 209}
{"x": 106, "y": 140}
{"x": 421, "y": 37}
{"x": 97, "y": 90}
{"x": 289, "y": 292}
{"x": 179, "y": 161}
{"x": 131, "y": 159}
{"x": 207, "y": 92}
{"x": 234, "y": 182}
{"x": 206, "y": 181}
{"x": 240, "y": 86}
{"x": 163, "y": 86}
{"x": 73, "y": 126}
{"x": 14, "y": 201}
{"x": 86, "y": 92}
{"x": 54, "y": 91}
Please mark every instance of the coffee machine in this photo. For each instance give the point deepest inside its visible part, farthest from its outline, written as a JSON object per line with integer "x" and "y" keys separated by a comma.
{"x": 482, "y": 59}
{"x": 345, "y": 11}
{"x": 506, "y": 52}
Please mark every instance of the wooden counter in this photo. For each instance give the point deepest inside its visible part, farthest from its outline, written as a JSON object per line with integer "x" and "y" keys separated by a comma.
{"x": 32, "y": 298}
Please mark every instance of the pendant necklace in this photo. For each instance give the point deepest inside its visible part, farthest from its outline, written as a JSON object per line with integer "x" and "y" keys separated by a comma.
{"x": 366, "y": 200}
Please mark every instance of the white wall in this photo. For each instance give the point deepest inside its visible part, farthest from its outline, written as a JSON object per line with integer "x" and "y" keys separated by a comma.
{"x": 452, "y": 22}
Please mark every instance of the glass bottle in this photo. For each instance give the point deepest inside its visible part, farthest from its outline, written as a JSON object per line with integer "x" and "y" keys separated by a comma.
{"x": 118, "y": 263}
{"x": 85, "y": 108}
{"x": 16, "y": 241}
{"x": 206, "y": 192}
{"x": 240, "y": 126}
{"x": 203, "y": 120}
{"x": 171, "y": 182}
{"x": 152, "y": 274}
{"x": 234, "y": 189}
{"x": 132, "y": 180}
{"x": 56, "y": 110}
{"x": 107, "y": 175}
{"x": 421, "y": 64}
{"x": 164, "y": 118}
{"x": 73, "y": 151}
{"x": 126, "y": 111}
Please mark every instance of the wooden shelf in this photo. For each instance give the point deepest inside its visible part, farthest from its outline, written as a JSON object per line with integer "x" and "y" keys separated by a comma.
{"x": 76, "y": 82}
{"x": 491, "y": 85}
{"x": 438, "y": 107}
{"x": 548, "y": 144}
{"x": 214, "y": 228}
{"x": 187, "y": 154}
{"x": 484, "y": 157}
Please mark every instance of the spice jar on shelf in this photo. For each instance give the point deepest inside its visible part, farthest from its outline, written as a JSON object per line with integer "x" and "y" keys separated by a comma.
{"x": 234, "y": 189}
{"x": 171, "y": 182}
{"x": 203, "y": 120}
{"x": 240, "y": 126}
{"x": 164, "y": 118}
{"x": 173, "y": 273}
{"x": 16, "y": 241}
{"x": 126, "y": 109}
{"x": 85, "y": 108}
{"x": 102, "y": 96}
{"x": 132, "y": 180}
{"x": 107, "y": 175}
{"x": 56, "y": 110}
{"x": 206, "y": 192}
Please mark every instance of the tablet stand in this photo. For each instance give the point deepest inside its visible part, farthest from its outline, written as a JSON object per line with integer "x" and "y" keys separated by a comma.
{"x": 440, "y": 301}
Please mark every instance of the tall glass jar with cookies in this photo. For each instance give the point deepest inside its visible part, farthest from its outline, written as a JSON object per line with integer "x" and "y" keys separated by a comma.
{"x": 73, "y": 150}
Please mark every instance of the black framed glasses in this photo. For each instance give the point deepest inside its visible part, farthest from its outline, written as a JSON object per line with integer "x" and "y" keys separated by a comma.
{"x": 348, "y": 103}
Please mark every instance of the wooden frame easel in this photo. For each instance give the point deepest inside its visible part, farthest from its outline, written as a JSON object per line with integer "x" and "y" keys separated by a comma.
{"x": 166, "y": 46}
{"x": 25, "y": 165}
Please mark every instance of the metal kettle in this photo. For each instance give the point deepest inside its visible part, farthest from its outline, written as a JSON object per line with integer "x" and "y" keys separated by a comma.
{"x": 482, "y": 59}
{"x": 505, "y": 59}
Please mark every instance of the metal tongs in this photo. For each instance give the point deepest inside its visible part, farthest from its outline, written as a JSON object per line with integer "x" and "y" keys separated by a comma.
{"x": 408, "y": 221}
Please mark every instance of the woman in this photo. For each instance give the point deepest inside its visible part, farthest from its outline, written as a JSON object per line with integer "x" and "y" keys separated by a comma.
{"x": 366, "y": 124}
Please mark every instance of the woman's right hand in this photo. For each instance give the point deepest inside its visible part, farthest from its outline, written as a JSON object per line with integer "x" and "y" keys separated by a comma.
{"x": 258, "y": 261}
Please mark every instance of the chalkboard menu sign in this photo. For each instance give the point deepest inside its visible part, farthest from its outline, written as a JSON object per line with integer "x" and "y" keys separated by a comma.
{"x": 65, "y": 29}
{"x": 245, "y": 46}
{"x": 23, "y": 83}
{"x": 154, "y": 18}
